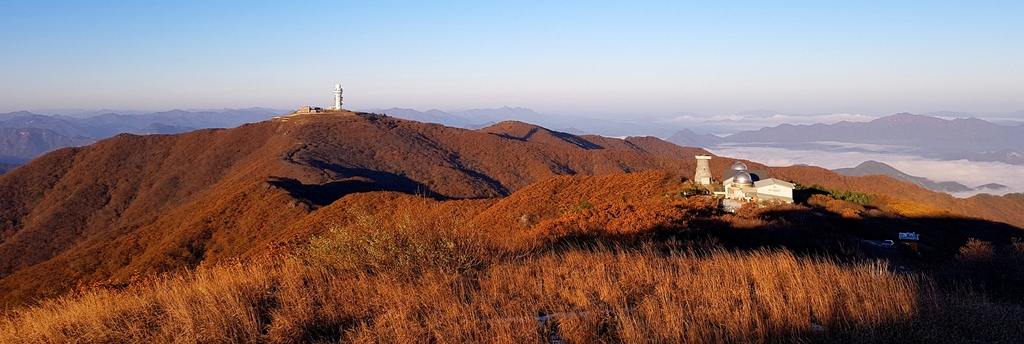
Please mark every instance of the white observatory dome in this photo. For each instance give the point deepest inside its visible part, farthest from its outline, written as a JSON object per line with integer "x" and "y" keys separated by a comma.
{"x": 739, "y": 166}
{"x": 743, "y": 178}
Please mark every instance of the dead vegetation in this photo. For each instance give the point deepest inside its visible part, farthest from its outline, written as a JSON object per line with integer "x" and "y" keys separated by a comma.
{"x": 596, "y": 266}
{"x": 586, "y": 296}
{"x": 368, "y": 228}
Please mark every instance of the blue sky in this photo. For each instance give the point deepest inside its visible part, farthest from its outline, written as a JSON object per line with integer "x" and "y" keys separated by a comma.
{"x": 614, "y": 59}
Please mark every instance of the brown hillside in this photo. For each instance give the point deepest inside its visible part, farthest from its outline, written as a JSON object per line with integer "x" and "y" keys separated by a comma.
{"x": 546, "y": 199}
{"x": 609, "y": 258}
{"x": 134, "y": 205}
{"x": 531, "y": 133}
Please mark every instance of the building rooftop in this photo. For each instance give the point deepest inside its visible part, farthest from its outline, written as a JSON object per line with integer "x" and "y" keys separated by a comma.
{"x": 773, "y": 181}
{"x": 755, "y": 174}
{"x": 909, "y": 236}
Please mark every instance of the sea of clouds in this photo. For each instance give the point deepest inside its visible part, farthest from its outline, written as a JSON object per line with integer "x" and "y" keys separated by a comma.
{"x": 965, "y": 172}
{"x": 755, "y": 121}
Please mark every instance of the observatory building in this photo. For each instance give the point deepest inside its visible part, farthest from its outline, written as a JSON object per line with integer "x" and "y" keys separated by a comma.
{"x": 742, "y": 184}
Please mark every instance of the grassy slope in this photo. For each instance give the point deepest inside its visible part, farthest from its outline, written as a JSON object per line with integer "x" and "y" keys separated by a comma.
{"x": 400, "y": 268}
{"x": 133, "y": 205}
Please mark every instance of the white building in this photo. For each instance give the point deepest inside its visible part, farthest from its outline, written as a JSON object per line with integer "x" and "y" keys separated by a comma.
{"x": 772, "y": 189}
{"x": 337, "y": 97}
{"x": 748, "y": 185}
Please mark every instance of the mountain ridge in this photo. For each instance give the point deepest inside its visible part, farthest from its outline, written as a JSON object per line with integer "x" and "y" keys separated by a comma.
{"x": 136, "y": 205}
{"x": 19, "y": 145}
{"x": 67, "y": 131}
{"x": 971, "y": 138}
{"x": 874, "y": 167}
{"x": 133, "y": 204}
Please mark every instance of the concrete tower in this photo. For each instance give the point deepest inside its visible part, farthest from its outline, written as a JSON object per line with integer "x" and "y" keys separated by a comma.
{"x": 703, "y": 175}
{"x": 337, "y": 96}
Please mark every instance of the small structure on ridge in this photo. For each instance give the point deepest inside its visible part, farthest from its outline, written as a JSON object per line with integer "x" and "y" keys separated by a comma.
{"x": 337, "y": 97}
{"x": 336, "y": 107}
{"x": 703, "y": 175}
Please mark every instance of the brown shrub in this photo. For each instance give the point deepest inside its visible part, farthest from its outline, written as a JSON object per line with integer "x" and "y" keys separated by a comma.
{"x": 402, "y": 233}
{"x": 1018, "y": 246}
{"x": 977, "y": 251}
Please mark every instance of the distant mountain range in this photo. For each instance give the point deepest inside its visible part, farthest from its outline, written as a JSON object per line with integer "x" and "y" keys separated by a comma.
{"x": 654, "y": 125}
{"x": 25, "y": 135}
{"x": 18, "y": 146}
{"x": 871, "y": 167}
{"x": 971, "y": 138}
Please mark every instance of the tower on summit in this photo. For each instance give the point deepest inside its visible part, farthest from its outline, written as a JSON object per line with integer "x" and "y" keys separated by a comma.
{"x": 703, "y": 174}
{"x": 337, "y": 96}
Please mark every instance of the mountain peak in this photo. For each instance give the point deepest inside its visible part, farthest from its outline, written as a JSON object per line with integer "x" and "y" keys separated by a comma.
{"x": 909, "y": 118}
{"x": 527, "y": 132}
{"x": 871, "y": 167}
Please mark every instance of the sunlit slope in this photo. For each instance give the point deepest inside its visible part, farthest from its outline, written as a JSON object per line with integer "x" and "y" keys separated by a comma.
{"x": 459, "y": 163}
{"x": 580, "y": 258}
{"x": 135, "y": 205}
{"x": 147, "y": 203}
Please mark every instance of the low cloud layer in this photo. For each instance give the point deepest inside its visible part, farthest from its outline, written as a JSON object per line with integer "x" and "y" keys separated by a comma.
{"x": 754, "y": 121}
{"x": 965, "y": 172}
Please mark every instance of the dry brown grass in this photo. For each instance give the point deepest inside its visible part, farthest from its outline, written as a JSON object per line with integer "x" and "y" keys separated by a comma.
{"x": 398, "y": 268}
{"x": 389, "y": 267}
{"x": 601, "y": 295}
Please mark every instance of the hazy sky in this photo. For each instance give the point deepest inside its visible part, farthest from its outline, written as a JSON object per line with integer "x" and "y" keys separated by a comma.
{"x": 624, "y": 57}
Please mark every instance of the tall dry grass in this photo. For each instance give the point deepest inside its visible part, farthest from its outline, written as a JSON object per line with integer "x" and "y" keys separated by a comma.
{"x": 220, "y": 304}
{"x": 404, "y": 269}
{"x": 586, "y": 296}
